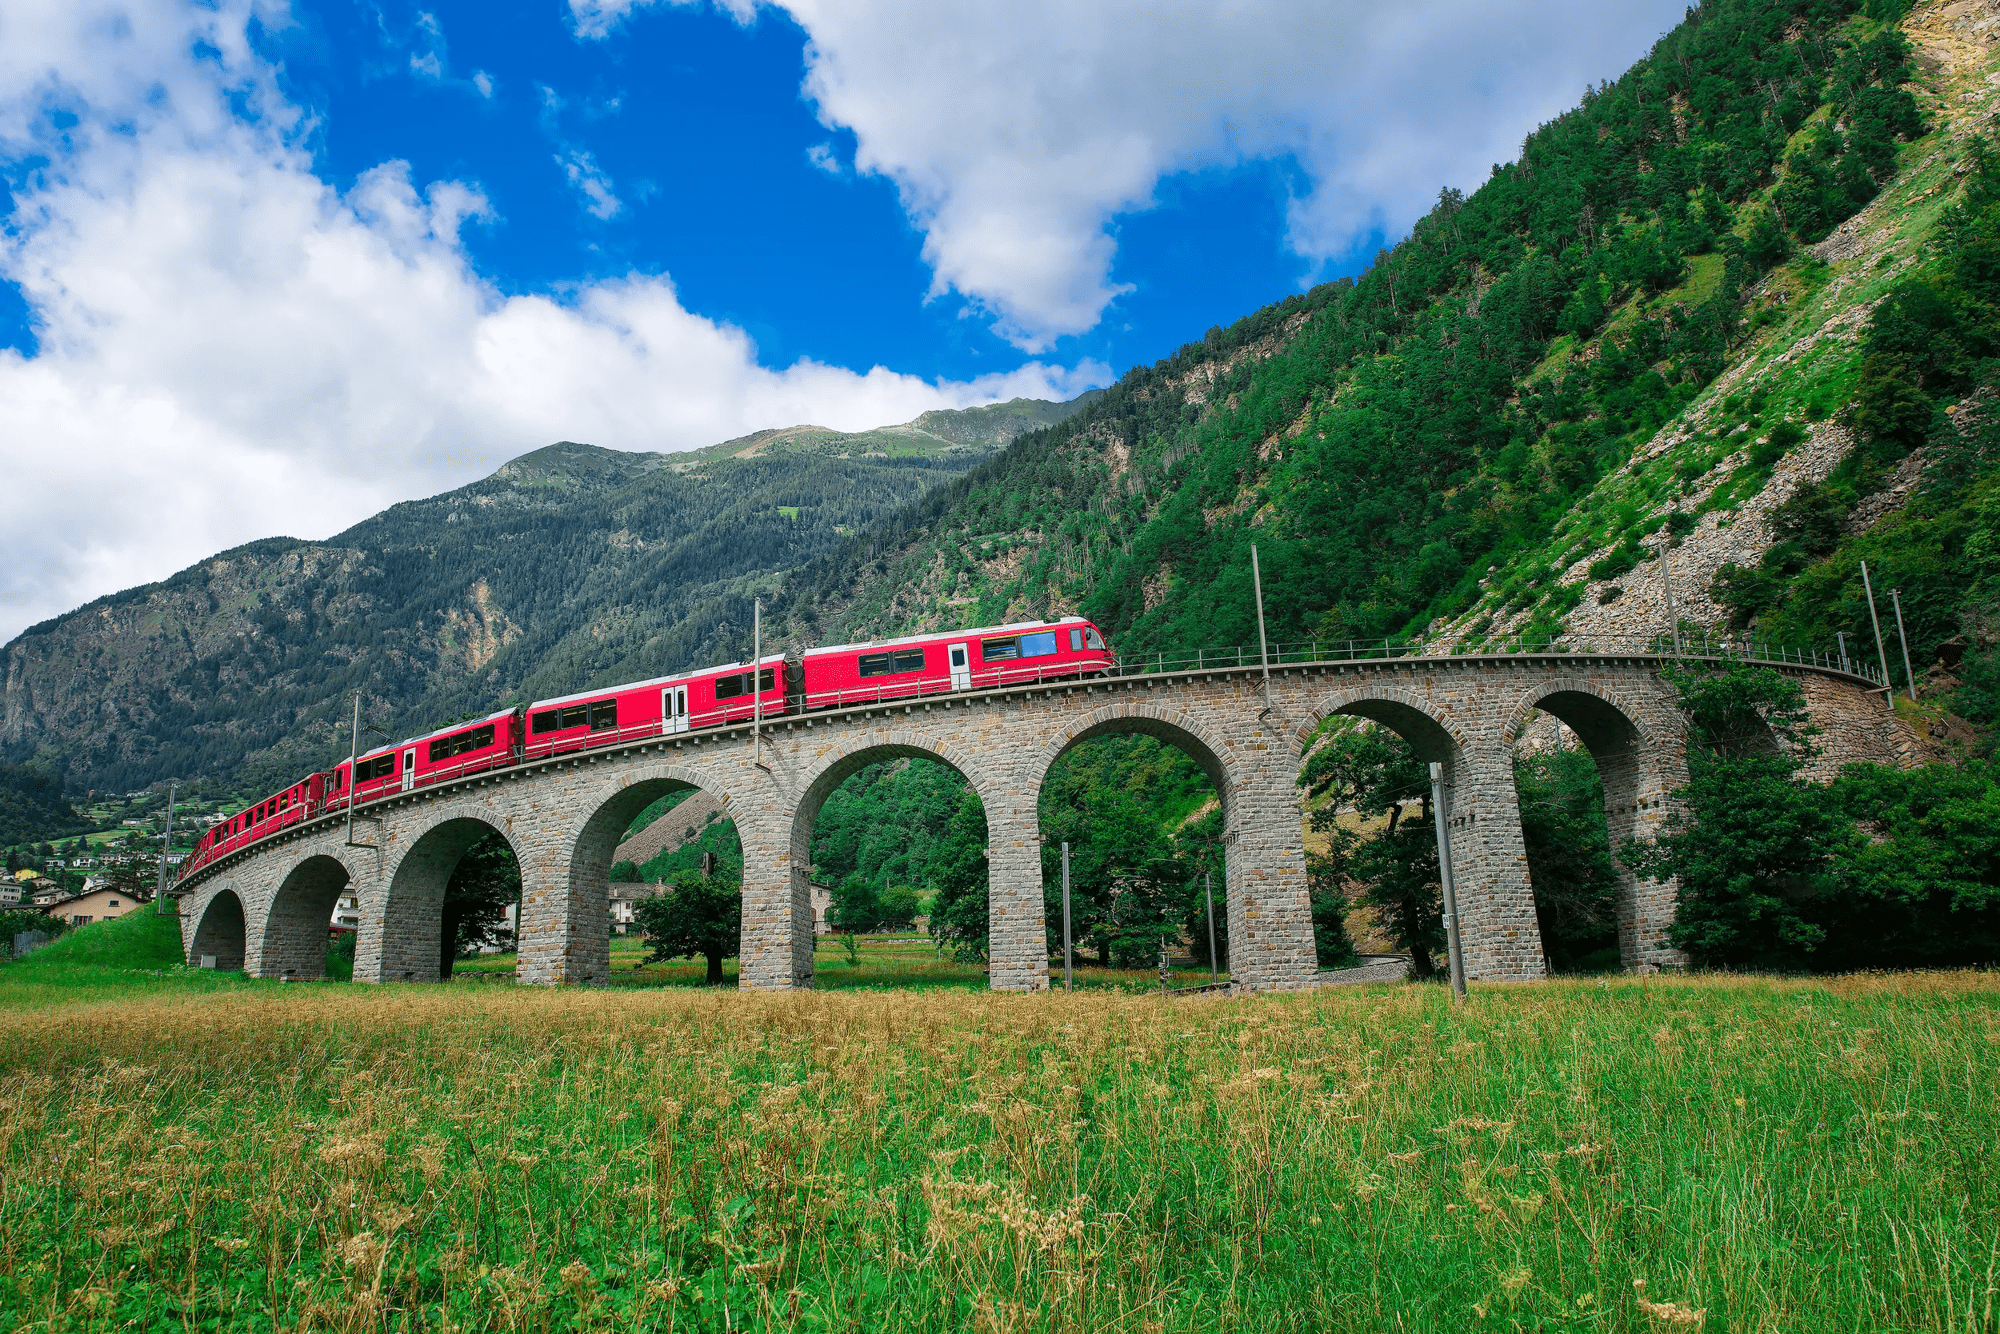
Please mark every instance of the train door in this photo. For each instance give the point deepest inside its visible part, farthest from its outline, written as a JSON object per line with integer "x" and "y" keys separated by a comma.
{"x": 674, "y": 709}
{"x": 961, "y": 666}
{"x": 409, "y": 769}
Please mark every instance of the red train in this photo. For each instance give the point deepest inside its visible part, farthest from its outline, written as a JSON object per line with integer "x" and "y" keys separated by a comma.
{"x": 841, "y": 676}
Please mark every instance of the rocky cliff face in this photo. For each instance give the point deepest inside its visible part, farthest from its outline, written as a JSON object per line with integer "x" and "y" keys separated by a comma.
{"x": 567, "y": 566}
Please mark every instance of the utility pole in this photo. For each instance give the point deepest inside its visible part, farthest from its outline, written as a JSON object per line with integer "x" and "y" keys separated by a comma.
{"x": 1208, "y": 892}
{"x": 1068, "y": 975}
{"x": 1444, "y": 880}
{"x": 1888, "y": 688}
{"x": 1667, "y": 578}
{"x": 1263, "y": 649}
{"x": 1909, "y": 677}
{"x": 166, "y": 846}
{"x": 757, "y": 680}
{"x": 354, "y": 773}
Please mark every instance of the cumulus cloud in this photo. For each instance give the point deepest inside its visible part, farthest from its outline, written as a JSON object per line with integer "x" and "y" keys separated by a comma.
{"x": 1017, "y": 131}
{"x": 229, "y": 348}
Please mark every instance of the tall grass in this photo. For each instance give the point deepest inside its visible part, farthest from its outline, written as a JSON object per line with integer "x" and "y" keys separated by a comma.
{"x": 1630, "y": 1155}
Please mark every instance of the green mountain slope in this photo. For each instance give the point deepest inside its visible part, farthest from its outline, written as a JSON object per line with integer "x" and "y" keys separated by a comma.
{"x": 567, "y": 566}
{"x": 1450, "y": 443}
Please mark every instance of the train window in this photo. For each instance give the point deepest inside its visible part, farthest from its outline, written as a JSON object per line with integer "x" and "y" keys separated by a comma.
{"x": 729, "y": 687}
{"x": 570, "y": 715}
{"x": 603, "y": 715}
{"x": 1039, "y": 645}
{"x": 1076, "y": 641}
{"x": 888, "y": 664}
{"x": 1093, "y": 639}
{"x": 464, "y": 743}
{"x": 1000, "y": 650}
{"x": 379, "y": 767}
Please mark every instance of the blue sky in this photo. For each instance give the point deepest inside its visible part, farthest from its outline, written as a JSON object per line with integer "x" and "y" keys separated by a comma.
{"x": 268, "y": 267}
{"x": 698, "y": 125}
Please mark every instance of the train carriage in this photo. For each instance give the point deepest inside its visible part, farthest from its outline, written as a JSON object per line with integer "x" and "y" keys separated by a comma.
{"x": 1005, "y": 655}
{"x": 662, "y": 706}
{"x": 825, "y": 678}
{"x": 302, "y": 801}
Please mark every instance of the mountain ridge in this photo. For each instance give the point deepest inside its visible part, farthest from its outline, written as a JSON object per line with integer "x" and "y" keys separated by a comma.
{"x": 563, "y": 565}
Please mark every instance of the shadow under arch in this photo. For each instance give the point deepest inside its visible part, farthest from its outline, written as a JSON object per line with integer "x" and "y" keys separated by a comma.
{"x": 1433, "y": 742}
{"x": 1192, "y": 739}
{"x": 407, "y": 936}
{"x": 577, "y": 950}
{"x": 866, "y": 752}
{"x": 1499, "y": 935}
{"x": 300, "y": 916}
{"x": 220, "y": 934}
{"x": 1634, "y": 802}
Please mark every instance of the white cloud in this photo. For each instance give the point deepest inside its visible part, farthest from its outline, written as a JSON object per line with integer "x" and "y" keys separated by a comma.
{"x": 483, "y": 82}
{"x": 597, "y": 18}
{"x": 1017, "y": 130}
{"x": 589, "y": 178}
{"x": 230, "y": 348}
{"x": 823, "y": 157}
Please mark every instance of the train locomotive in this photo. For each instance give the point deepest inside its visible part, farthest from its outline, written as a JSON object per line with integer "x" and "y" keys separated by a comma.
{"x": 778, "y": 685}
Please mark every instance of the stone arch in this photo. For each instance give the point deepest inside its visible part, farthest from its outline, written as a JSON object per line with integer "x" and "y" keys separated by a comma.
{"x": 1402, "y": 710}
{"x": 1256, "y": 781}
{"x": 300, "y": 913}
{"x": 1500, "y": 938}
{"x": 1638, "y": 765}
{"x": 402, "y": 921}
{"x": 1016, "y": 951}
{"x": 221, "y": 931}
{"x": 566, "y": 936}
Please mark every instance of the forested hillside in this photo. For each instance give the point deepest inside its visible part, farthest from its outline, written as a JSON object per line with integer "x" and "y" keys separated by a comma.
{"x": 1458, "y": 411}
{"x": 1738, "y": 303}
{"x": 569, "y": 565}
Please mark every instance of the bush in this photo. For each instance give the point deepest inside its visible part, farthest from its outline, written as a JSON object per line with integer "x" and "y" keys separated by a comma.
{"x": 1887, "y": 868}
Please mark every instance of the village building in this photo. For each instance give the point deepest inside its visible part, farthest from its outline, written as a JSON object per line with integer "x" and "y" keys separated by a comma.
{"x": 98, "y": 905}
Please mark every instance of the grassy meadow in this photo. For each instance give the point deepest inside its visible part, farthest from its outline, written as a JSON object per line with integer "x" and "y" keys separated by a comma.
{"x": 877, "y": 963}
{"x": 187, "y": 1152}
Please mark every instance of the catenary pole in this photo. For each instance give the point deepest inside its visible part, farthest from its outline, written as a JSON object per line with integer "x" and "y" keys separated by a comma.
{"x": 353, "y": 763}
{"x": 1888, "y": 686}
{"x": 1068, "y": 979}
{"x": 1445, "y": 881}
{"x": 1263, "y": 648}
{"x": 757, "y": 677}
{"x": 1208, "y": 892}
{"x": 1667, "y": 578}
{"x": 1909, "y": 677}
{"x": 166, "y": 847}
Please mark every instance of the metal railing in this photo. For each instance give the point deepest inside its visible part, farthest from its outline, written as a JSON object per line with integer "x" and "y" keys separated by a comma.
{"x": 1240, "y": 657}
{"x": 1371, "y": 650}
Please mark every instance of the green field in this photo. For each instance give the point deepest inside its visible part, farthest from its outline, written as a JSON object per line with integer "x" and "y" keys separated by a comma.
{"x": 884, "y": 962}
{"x": 1720, "y": 1153}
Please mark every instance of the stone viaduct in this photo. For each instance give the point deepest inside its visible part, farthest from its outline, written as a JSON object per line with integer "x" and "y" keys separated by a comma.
{"x": 265, "y": 908}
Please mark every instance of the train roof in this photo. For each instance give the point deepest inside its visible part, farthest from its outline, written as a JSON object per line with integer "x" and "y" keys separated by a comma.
{"x": 929, "y": 635}
{"x": 601, "y": 691}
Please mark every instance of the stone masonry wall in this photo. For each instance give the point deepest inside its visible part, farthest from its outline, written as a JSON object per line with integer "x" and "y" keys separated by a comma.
{"x": 563, "y": 817}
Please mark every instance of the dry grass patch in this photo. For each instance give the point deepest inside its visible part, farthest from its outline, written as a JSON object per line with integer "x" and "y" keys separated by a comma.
{"x": 1703, "y": 1153}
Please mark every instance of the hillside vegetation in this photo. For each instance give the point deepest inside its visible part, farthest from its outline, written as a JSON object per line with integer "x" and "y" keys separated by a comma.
{"x": 1443, "y": 440}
